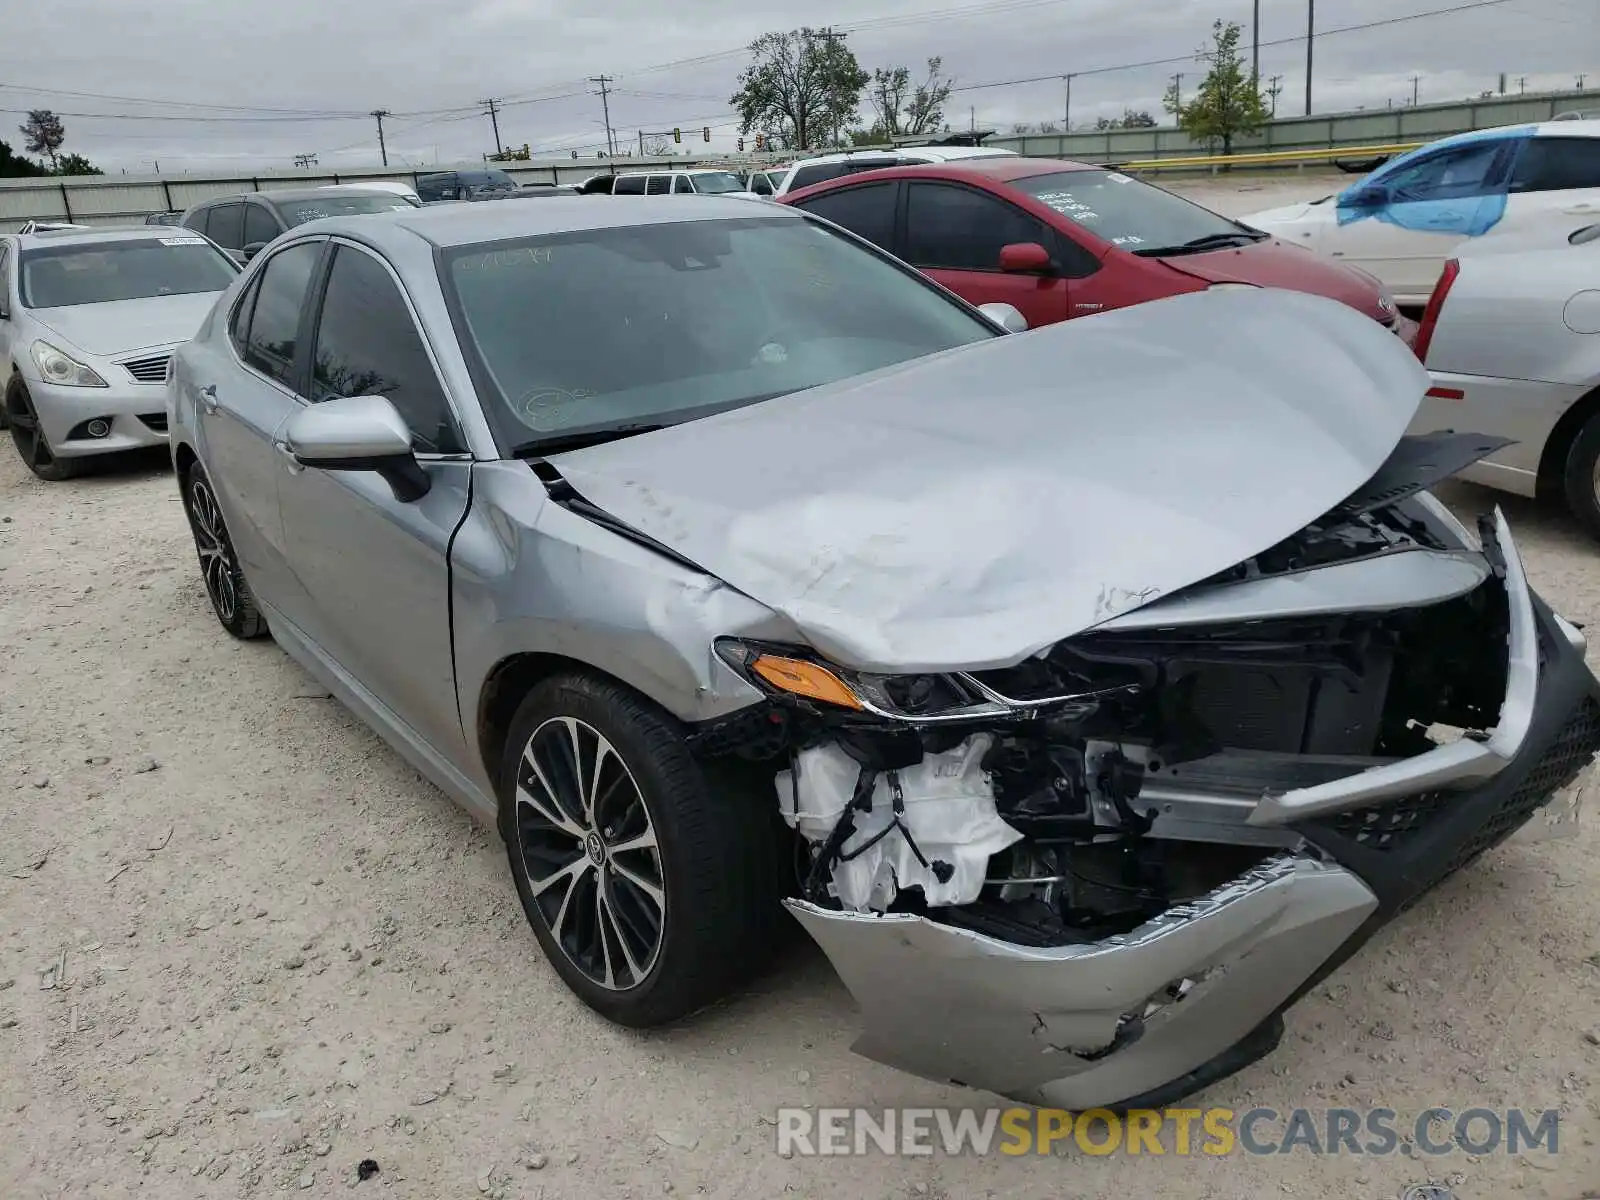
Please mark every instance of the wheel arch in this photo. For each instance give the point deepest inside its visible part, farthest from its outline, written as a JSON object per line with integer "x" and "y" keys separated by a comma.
{"x": 183, "y": 457}
{"x": 1558, "y": 446}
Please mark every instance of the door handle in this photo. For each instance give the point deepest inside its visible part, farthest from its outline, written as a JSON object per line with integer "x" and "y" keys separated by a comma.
{"x": 208, "y": 397}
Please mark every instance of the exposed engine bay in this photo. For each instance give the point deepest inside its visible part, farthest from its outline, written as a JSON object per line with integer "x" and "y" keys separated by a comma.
{"x": 1080, "y": 793}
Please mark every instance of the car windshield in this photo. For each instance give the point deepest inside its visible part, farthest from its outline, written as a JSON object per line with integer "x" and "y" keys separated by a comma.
{"x": 709, "y": 183}
{"x": 62, "y": 276}
{"x": 1121, "y": 210}
{"x": 606, "y": 331}
{"x": 298, "y": 212}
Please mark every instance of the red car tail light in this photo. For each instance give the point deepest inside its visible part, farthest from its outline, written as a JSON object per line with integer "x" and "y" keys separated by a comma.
{"x": 1430, "y": 315}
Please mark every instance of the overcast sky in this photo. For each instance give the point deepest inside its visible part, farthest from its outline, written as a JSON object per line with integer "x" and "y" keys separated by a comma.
{"x": 236, "y": 80}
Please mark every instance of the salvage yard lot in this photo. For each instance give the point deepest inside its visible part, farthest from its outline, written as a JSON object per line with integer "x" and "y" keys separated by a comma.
{"x": 243, "y": 947}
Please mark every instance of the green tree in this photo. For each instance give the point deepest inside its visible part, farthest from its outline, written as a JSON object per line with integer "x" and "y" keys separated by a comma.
{"x": 76, "y": 164}
{"x": 801, "y": 87}
{"x": 13, "y": 166}
{"x": 1228, "y": 103}
{"x": 44, "y": 133}
{"x": 1131, "y": 118}
{"x": 904, "y": 108}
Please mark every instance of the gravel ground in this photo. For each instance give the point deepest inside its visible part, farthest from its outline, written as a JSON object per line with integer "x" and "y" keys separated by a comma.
{"x": 244, "y": 947}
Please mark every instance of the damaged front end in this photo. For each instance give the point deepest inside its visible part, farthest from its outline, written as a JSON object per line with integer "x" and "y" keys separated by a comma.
{"x": 1097, "y": 877}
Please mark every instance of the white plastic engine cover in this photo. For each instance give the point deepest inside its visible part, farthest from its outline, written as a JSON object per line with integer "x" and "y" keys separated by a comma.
{"x": 949, "y": 809}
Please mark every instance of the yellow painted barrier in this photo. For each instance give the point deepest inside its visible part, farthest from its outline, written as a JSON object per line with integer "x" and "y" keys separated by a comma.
{"x": 1270, "y": 157}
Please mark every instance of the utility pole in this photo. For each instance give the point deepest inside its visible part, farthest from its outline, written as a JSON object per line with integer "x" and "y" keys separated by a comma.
{"x": 1275, "y": 86}
{"x": 1581, "y": 78}
{"x": 605, "y": 82}
{"x": 1311, "y": 37}
{"x": 833, "y": 37}
{"x": 1066, "y": 112}
{"x": 491, "y": 109}
{"x": 307, "y": 160}
{"x": 1177, "y": 94}
{"x": 1416, "y": 84}
{"x": 383, "y": 151}
{"x": 1255, "y": 45}
{"x": 1522, "y": 84}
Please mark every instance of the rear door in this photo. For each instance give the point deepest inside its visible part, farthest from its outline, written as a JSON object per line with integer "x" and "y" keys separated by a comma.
{"x": 373, "y": 571}
{"x": 658, "y": 185}
{"x": 1554, "y": 178}
{"x": 244, "y": 401}
{"x": 866, "y": 210}
{"x": 261, "y": 226}
{"x": 954, "y": 234}
{"x": 225, "y": 227}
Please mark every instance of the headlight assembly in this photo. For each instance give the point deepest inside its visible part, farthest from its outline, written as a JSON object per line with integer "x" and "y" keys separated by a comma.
{"x": 60, "y": 368}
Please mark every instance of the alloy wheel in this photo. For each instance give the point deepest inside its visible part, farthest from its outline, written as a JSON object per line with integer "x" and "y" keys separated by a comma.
{"x": 28, "y": 436}
{"x": 216, "y": 555}
{"x": 589, "y": 853}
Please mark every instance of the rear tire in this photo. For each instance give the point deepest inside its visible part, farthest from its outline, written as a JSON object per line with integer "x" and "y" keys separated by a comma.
{"x": 1581, "y": 481}
{"x": 230, "y": 595}
{"x": 33, "y": 448}
{"x": 651, "y": 879}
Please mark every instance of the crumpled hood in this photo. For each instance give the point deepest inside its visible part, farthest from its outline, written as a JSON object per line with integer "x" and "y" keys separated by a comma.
{"x": 123, "y": 326}
{"x": 971, "y": 508}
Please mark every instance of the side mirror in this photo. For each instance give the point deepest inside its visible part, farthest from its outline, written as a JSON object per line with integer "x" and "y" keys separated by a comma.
{"x": 358, "y": 433}
{"x": 1024, "y": 258}
{"x": 253, "y": 249}
{"x": 1373, "y": 195}
{"x": 1006, "y": 316}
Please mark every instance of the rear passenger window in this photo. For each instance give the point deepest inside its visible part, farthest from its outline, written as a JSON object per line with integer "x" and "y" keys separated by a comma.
{"x": 816, "y": 173}
{"x": 962, "y": 229}
{"x": 628, "y": 185}
{"x": 275, "y": 317}
{"x": 239, "y": 327}
{"x": 368, "y": 345}
{"x": 258, "y": 225}
{"x": 223, "y": 225}
{"x": 1557, "y": 164}
{"x": 681, "y": 185}
{"x": 657, "y": 185}
{"x": 867, "y": 211}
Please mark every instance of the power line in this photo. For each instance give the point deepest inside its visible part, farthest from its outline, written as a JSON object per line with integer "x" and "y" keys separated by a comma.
{"x": 1190, "y": 57}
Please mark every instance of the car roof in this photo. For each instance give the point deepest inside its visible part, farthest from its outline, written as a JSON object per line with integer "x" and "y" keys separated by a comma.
{"x": 931, "y": 153}
{"x": 993, "y": 170}
{"x": 1583, "y": 127}
{"x": 98, "y": 235}
{"x": 447, "y": 225}
{"x": 677, "y": 171}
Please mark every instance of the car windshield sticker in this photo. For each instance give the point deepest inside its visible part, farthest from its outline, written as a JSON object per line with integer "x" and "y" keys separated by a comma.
{"x": 1131, "y": 239}
{"x": 1068, "y": 206}
{"x": 182, "y": 241}
{"x": 1115, "y": 178}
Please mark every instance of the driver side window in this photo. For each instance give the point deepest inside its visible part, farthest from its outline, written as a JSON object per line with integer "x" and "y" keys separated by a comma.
{"x": 367, "y": 344}
{"x": 1451, "y": 175}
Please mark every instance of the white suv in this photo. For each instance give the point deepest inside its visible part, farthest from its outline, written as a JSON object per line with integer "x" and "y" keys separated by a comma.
{"x": 679, "y": 183}
{"x": 830, "y": 166}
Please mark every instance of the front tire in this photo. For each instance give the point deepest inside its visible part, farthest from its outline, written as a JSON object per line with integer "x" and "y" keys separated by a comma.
{"x": 1581, "y": 481}
{"x": 650, "y": 880}
{"x": 230, "y": 595}
{"x": 27, "y": 435}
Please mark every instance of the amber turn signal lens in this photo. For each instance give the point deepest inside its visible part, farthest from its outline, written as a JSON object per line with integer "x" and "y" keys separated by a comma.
{"x": 801, "y": 678}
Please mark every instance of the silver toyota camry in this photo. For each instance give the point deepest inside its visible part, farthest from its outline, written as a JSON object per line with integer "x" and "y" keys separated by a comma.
{"x": 88, "y": 320}
{"x": 1087, "y": 694}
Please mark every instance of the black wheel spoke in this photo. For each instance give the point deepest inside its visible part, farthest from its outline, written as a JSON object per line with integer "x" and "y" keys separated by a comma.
{"x": 588, "y": 853}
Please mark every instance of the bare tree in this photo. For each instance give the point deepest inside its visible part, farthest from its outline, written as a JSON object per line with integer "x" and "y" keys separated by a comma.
{"x": 907, "y": 108}
{"x": 658, "y": 147}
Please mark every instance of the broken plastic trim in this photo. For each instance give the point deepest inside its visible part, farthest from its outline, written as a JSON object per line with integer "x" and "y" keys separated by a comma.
{"x": 1461, "y": 762}
{"x": 982, "y": 702}
{"x": 564, "y": 494}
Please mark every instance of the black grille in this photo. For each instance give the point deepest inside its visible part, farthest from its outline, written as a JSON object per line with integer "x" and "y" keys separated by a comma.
{"x": 1389, "y": 826}
{"x": 148, "y": 370}
{"x": 156, "y": 421}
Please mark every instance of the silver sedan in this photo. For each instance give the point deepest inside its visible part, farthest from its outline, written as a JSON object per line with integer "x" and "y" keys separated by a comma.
{"x": 1073, "y": 689}
{"x": 88, "y": 320}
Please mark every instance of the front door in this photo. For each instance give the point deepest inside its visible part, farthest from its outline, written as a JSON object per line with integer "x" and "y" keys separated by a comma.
{"x": 1428, "y": 207}
{"x": 1555, "y": 179}
{"x": 373, "y": 572}
{"x": 241, "y": 404}
{"x": 955, "y": 233}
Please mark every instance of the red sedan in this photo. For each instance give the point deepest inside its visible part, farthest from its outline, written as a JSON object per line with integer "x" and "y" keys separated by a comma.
{"x": 1059, "y": 239}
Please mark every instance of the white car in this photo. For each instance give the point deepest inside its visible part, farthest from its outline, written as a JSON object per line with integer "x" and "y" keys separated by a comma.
{"x": 1512, "y": 341}
{"x": 1402, "y": 221}
{"x": 392, "y": 187}
{"x": 831, "y": 166}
